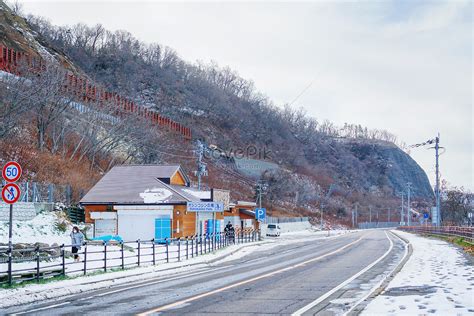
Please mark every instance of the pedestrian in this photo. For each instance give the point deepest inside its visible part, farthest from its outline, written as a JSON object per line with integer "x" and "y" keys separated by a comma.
{"x": 77, "y": 238}
{"x": 229, "y": 230}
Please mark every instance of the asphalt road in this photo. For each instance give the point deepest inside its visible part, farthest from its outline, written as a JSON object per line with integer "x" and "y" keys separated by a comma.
{"x": 324, "y": 277}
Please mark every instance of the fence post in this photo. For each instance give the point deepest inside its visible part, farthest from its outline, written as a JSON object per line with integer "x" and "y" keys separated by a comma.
{"x": 63, "y": 272}
{"x": 37, "y": 263}
{"x": 154, "y": 252}
{"x": 187, "y": 245}
{"x": 105, "y": 256}
{"x": 205, "y": 242}
{"x": 192, "y": 246}
{"x": 212, "y": 241}
{"x": 85, "y": 258}
{"x": 209, "y": 243}
{"x": 123, "y": 259}
{"x": 200, "y": 242}
{"x": 167, "y": 252}
{"x": 50, "y": 193}
{"x": 138, "y": 242}
{"x": 179, "y": 249}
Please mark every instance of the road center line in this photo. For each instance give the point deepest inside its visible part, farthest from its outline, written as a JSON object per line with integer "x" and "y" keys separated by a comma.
{"x": 266, "y": 275}
{"x": 41, "y": 308}
{"x": 337, "y": 288}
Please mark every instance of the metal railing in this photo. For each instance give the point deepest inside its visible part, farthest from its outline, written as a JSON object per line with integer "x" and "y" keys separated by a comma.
{"x": 278, "y": 220}
{"x": 368, "y": 225}
{"x": 467, "y": 233}
{"x": 46, "y": 262}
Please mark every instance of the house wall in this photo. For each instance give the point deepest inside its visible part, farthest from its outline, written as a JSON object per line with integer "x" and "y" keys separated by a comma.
{"x": 93, "y": 208}
{"x": 185, "y": 220}
{"x": 177, "y": 179}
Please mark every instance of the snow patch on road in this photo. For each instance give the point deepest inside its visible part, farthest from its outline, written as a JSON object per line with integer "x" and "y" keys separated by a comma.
{"x": 437, "y": 279}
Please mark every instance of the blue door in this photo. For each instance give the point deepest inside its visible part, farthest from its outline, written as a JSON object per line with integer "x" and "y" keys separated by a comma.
{"x": 162, "y": 229}
{"x": 214, "y": 226}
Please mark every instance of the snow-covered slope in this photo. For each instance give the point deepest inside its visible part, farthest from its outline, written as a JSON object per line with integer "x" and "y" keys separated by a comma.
{"x": 44, "y": 228}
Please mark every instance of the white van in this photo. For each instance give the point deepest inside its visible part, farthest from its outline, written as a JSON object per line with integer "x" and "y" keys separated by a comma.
{"x": 273, "y": 230}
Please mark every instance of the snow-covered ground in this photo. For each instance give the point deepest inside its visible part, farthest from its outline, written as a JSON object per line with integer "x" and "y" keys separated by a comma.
{"x": 43, "y": 228}
{"x": 35, "y": 292}
{"x": 436, "y": 279}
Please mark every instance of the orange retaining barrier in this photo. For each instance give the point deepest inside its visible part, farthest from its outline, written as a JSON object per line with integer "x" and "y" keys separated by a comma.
{"x": 86, "y": 91}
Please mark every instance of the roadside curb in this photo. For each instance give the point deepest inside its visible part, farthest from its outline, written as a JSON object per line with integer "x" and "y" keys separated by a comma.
{"x": 380, "y": 290}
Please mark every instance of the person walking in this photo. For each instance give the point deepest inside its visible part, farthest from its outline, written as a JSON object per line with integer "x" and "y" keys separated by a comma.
{"x": 229, "y": 230}
{"x": 77, "y": 238}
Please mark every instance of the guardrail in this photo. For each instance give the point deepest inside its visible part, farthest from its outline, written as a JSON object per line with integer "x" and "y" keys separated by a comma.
{"x": 282, "y": 220}
{"x": 454, "y": 231}
{"x": 46, "y": 262}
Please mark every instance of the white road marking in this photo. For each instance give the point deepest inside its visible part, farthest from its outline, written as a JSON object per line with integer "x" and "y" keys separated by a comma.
{"x": 337, "y": 288}
{"x": 193, "y": 298}
{"x": 123, "y": 289}
{"x": 42, "y": 308}
{"x": 381, "y": 281}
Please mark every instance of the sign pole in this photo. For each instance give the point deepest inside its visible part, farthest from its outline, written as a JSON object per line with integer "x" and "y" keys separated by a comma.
{"x": 10, "y": 245}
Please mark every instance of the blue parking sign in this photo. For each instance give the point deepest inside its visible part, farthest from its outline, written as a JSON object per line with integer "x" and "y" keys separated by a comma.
{"x": 260, "y": 214}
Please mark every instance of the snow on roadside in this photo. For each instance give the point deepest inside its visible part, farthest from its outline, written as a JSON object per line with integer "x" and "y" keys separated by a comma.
{"x": 436, "y": 279}
{"x": 42, "y": 228}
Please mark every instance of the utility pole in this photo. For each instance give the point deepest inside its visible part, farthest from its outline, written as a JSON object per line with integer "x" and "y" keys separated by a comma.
{"x": 357, "y": 214}
{"x": 201, "y": 166}
{"x": 201, "y": 171}
{"x": 437, "y": 193}
{"x": 370, "y": 214}
{"x": 388, "y": 220}
{"x": 353, "y": 218}
{"x": 409, "y": 203}
{"x": 436, "y": 147}
{"x": 331, "y": 188}
{"x": 260, "y": 187}
{"x": 402, "y": 222}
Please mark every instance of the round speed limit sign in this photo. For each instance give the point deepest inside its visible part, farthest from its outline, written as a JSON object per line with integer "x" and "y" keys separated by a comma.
{"x": 10, "y": 193}
{"x": 11, "y": 171}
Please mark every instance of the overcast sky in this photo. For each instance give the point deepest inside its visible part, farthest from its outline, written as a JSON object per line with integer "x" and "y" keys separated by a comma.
{"x": 403, "y": 66}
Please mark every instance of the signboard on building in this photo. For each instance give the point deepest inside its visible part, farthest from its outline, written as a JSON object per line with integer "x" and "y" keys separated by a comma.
{"x": 221, "y": 196}
{"x": 209, "y": 207}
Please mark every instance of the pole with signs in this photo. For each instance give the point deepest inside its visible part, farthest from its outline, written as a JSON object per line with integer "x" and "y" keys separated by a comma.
{"x": 11, "y": 172}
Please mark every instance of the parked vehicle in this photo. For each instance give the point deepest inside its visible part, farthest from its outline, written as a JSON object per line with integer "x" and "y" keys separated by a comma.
{"x": 273, "y": 230}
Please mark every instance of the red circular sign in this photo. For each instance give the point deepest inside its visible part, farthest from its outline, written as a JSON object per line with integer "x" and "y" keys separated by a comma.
{"x": 10, "y": 193}
{"x": 11, "y": 171}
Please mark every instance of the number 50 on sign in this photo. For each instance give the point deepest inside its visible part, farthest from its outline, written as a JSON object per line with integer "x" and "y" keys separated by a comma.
{"x": 11, "y": 171}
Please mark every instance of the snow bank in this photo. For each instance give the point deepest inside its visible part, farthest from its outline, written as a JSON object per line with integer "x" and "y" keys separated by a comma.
{"x": 437, "y": 279}
{"x": 43, "y": 228}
